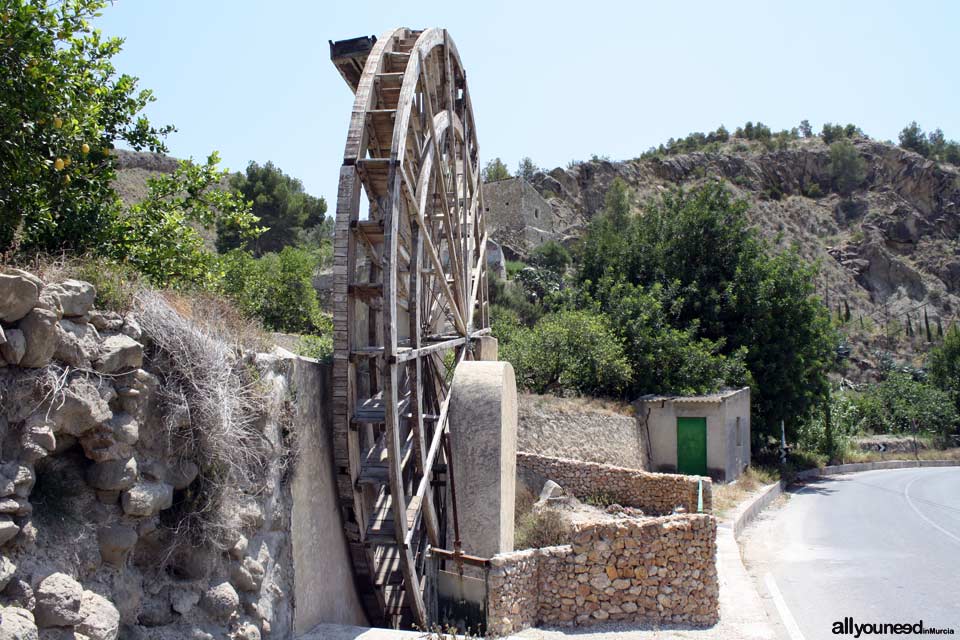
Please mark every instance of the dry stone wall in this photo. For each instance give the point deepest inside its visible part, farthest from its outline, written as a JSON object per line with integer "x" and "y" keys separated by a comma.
{"x": 94, "y": 489}
{"x": 660, "y": 570}
{"x": 654, "y": 493}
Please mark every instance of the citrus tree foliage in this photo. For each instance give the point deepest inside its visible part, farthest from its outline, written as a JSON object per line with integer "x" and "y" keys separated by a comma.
{"x": 63, "y": 107}
{"x": 847, "y": 168}
{"x": 158, "y": 236}
{"x": 569, "y": 351}
{"x": 901, "y": 404}
{"x": 719, "y": 282}
{"x": 285, "y": 210}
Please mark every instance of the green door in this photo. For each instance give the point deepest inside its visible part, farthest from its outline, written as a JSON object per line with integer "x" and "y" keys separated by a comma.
{"x": 692, "y": 446}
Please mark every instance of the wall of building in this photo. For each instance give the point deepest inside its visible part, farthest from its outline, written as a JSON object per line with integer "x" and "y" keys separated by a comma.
{"x": 654, "y": 493}
{"x": 738, "y": 454}
{"x": 573, "y": 428}
{"x": 659, "y": 570}
{"x": 517, "y": 216}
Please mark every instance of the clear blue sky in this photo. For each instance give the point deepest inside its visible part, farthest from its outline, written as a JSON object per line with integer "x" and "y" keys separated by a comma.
{"x": 553, "y": 80}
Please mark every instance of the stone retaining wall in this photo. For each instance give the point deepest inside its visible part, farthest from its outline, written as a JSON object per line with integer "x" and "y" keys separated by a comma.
{"x": 645, "y": 570}
{"x": 654, "y": 493}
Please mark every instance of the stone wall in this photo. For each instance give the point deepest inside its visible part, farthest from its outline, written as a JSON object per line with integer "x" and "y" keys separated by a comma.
{"x": 654, "y": 493}
{"x": 660, "y": 570}
{"x": 582, "y": 430}
{"x": 518, "y": 217}
{"x": 98, "y": 488}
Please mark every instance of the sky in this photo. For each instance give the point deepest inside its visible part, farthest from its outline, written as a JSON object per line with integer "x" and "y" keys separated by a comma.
{"x": 555, "y": 81}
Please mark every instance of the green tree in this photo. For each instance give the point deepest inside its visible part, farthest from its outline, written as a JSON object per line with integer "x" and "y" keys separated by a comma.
{"x": 805, "y": 129}
{"x": 912, "y": 138}
{"x": 726, "y": 284}
{"x": 526, "y": 168}
{"x": 847, "y": 168}
{"x": 158, "y": 236}
{"x": 551, "y": 255}
{"x": 495, "y": 170}
{"x": 63, "y": 107}
{"x": 944, "y": 365}
{"x": 281, "y": 204}
{"x": 569, "y": 351}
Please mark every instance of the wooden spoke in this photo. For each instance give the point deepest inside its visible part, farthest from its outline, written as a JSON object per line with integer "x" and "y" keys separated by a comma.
{"x": 409, "y": 289}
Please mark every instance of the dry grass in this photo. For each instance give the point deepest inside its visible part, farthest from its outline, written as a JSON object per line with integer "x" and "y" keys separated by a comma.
{"x": 533, "y": 529}
{"x": 212, "y": 406}
{"x": 577, "y": 405}
{"x": 727, "y": 497}
{"x": 922, "y": 454}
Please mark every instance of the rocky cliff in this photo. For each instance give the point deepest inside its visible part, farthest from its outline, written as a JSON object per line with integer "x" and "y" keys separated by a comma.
{"x": 888, "y": 252}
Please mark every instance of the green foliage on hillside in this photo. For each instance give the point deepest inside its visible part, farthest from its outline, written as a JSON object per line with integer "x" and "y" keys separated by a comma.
{"x": 285, "y": 210}
{"x": 63, "y": 107}
{"x": 696, "y": 300}
{"x": 551, "y": 255}
{"x": 847, "y": 168}
{"x": 933, "y": 145}
{"x": 495, "y": 170}
{"x": 944, "y": 365}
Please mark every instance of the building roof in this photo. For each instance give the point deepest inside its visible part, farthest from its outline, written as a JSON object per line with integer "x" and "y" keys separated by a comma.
{"x": 712, "y": 398}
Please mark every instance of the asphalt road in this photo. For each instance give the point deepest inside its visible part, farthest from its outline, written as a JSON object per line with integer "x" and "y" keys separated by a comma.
{"x": 878, "y": 546}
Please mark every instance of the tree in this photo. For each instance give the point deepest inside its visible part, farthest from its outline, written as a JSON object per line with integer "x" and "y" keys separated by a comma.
{"x": 280, "y": 203}
{"x": 551, "y": 255}
{"x": 847, "y": 168}
{"x": 495, "y": 170}
{"x": 805, "y": 129}
{"x": 526, "y": 169}
{"x": 944, "y": 365}
{"x": 63, "y": 107}
{"x": 721, "y": 281}
{"x": 912, "y": 138}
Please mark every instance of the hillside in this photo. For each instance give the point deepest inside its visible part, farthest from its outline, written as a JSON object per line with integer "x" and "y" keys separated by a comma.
{"x": 889, "y": 252}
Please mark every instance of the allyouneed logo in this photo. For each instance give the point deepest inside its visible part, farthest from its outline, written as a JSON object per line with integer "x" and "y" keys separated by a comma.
{"x": 847, "y": 627}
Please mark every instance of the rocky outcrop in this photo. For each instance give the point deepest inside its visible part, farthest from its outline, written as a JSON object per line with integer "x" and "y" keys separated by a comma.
{"x": 101, "y": 470}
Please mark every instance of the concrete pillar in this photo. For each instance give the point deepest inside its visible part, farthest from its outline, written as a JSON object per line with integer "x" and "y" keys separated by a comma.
{"x": 487, "y": 348}
{"x": 483, "y": 432}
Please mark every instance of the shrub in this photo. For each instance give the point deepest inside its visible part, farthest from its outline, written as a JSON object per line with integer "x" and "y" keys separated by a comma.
{"x": 276, "y": 288}
{"x": 318, "y": 347}
{"x": 571, "y": 351}
{"x": 847, "y": 168}
{"x": 551, "y": 255}
{"x": 901, "y": 404}
{"x": 495, "y": 170}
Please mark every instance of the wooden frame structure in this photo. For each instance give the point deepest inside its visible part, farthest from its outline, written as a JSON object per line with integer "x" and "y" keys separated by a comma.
{"x": 410, "y": 299}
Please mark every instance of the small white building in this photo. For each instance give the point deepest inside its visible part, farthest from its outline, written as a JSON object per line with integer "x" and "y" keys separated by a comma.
{"x": 698, "y": 435}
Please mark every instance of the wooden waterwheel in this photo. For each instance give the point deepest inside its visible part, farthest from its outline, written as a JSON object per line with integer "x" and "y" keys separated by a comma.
{"x": 410, "y": 300}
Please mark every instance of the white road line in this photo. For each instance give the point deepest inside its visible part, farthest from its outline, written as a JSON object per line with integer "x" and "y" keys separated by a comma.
{"x": 788, "y": 621}
{"x": 906, "y": 494}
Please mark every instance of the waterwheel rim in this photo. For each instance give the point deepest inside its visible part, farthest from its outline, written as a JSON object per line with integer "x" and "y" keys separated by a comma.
{"x": 410, "y": 288}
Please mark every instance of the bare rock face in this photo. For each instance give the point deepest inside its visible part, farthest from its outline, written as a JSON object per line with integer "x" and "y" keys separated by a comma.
{"x": 18, "y": 295}
{"x": 99, "y": 618}
{"x": 113, "y": 475}
{"x": 76, "y": 297}
{"x": 58, "y": 601}
{"x": 81, "y": 409}
{"x": 17, "y": 624}
{"x": 39, "y": 328}
{"x": 116, "y": 542}
{"x": 147, "y": 498}
{"x": 221, "y": 602}
{"x": 119, "y": 353}
{"x": 13, "y": 349}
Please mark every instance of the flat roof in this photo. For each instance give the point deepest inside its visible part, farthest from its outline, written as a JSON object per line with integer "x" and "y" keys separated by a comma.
{"x": 712, "y": 398}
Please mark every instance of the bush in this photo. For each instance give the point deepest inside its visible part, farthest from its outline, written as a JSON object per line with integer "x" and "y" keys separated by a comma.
{"x": 944, "y": 365}
{"x": 901, "y": 404}
{"x": 317, "y": 347}
{"x": 276, "y": 288}
{"x": 551, "y": 255}
{"x": 847, "y": 168}
{"x": 845, "y": 422}
{"x": 571, "y": 351}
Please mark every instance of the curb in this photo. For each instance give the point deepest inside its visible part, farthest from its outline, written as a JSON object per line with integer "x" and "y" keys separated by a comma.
{"x": 749, "y": 511}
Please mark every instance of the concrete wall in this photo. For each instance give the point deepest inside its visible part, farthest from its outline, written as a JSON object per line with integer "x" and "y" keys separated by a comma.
{"x": 725, "y": 460}
{"x": 572, "y": 428}
{"x": 323, "y": 574}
